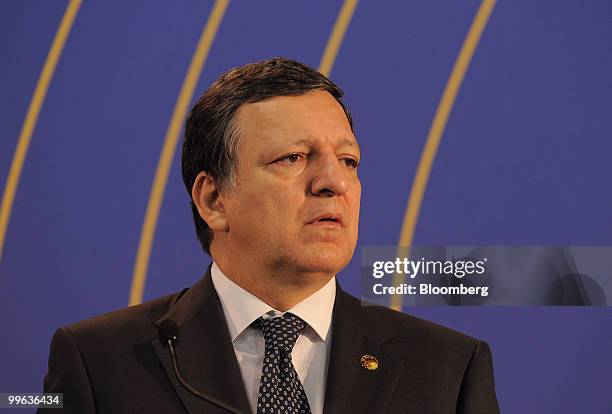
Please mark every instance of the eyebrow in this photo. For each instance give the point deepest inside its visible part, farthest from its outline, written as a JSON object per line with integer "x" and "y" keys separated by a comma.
{"x": 351, "y": 143}
{"x": 343, "y": 142}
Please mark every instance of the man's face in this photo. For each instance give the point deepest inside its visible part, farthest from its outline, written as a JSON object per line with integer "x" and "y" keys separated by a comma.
{"x": 295, "y": 206}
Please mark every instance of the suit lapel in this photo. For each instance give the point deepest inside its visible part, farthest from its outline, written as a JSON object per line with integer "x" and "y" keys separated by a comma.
{"x": 205, "y": 353}
{"x": 207, "y": 360}
{"x": 350, "y": 387}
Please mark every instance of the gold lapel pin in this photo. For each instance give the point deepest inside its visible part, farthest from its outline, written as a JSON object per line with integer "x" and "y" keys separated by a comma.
{"x": 369, "y": 362}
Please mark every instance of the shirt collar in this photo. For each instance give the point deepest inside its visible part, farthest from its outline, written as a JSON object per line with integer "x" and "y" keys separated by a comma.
{"x": 241, "y": 308}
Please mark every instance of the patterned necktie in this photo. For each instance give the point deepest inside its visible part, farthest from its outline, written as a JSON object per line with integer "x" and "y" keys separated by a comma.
{"x": 280, "y": 390}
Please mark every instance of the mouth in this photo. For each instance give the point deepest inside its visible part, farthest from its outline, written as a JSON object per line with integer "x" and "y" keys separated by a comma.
{"x": 328, "y": 220}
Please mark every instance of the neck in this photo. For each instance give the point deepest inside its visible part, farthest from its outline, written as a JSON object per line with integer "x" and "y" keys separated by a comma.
{"x": 282, "y": 289}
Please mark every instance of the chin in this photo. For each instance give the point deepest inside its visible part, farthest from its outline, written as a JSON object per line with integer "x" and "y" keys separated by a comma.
{"x": 324, "y": 259}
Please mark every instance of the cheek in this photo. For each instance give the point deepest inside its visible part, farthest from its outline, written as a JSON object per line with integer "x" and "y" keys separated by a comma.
{"x": 354, "y": 206}
{"x": 282, "y": 207}
{"x": 266, "y": 207}
{"x": 355, "y": 200}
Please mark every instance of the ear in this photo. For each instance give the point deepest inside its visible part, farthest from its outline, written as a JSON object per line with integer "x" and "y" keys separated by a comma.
{"x": 205, "y": 195}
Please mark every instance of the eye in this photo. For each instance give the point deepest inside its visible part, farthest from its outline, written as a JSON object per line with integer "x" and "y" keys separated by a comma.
{"x": 290, "y": 159}
{"x": 351, "y": 162}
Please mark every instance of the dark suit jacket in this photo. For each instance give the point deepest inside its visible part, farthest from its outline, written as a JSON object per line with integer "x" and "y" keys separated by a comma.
{"x": 115, "y": 363}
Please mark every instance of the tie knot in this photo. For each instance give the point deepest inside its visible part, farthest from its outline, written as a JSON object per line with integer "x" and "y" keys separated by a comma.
{"x": 281, "y": 332}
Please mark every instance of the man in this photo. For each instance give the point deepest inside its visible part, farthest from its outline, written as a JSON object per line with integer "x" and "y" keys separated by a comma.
{"x": 270, "y": 162}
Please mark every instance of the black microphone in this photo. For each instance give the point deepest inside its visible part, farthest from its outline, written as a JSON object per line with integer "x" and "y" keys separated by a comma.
{"x": 169, "y": 334}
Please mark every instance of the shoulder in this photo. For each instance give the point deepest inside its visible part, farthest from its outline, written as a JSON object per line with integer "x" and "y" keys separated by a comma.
{"x": 127, "y": 326}
{"x": 404, "y": 328}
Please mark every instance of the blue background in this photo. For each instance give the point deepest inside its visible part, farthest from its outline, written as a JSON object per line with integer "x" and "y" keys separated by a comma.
{"x": 525, "y": 159}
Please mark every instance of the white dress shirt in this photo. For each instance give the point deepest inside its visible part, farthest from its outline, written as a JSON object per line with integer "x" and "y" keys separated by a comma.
{"x": 311, "y": 351}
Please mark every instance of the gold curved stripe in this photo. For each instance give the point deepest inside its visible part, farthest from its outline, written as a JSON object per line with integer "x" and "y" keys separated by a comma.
{"x": 336, "y": 37}
{"x": 165, "y": 160}
{"x": 25, "y": 137}
{"x": 435, "y": 135}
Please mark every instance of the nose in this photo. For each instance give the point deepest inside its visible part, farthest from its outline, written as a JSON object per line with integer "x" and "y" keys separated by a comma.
{"x": 330, "y": 177}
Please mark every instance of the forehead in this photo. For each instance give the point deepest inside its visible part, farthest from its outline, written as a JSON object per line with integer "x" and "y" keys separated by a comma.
{"x": 312, "y": 117}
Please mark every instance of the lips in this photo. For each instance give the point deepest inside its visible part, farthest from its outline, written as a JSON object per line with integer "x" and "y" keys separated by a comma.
{"x": 328, "y": 218}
